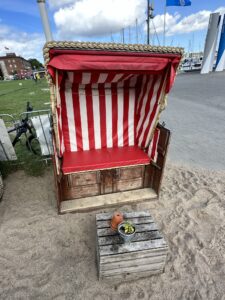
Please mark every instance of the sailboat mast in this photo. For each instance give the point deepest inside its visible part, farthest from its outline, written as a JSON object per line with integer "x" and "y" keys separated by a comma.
{"x": 148, "y": 21}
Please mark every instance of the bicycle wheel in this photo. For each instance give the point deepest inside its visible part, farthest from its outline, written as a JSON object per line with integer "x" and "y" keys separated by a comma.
{"x": 33, "y": 145}
{"x": 1, "y": 186}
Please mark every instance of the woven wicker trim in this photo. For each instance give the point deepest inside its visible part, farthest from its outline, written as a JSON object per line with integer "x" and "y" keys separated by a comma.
{"x": 109, "y": 47}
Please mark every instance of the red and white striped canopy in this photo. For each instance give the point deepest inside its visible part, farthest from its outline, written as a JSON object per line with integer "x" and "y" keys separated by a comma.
{"x": 110, "y": 101}
{"x": 104, "y": 110}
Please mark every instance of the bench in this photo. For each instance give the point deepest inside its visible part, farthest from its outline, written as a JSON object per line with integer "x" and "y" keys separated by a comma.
{"x": 106, "y": 158}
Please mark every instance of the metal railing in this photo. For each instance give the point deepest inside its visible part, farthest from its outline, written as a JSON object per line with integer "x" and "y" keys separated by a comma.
{"x": 40, "y": 121}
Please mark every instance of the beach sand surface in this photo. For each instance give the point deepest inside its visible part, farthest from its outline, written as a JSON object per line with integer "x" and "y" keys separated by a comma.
{"x": 48, "y": 256}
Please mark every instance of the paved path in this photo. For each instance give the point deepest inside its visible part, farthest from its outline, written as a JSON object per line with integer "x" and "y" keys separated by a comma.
{"x": 196, "y": 117}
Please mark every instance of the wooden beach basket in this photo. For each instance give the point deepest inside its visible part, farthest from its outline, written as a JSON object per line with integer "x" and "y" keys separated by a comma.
{"x": 106, "y": 99}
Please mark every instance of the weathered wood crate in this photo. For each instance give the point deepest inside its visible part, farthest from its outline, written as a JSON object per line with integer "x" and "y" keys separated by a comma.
{"x": 145, "y": 255}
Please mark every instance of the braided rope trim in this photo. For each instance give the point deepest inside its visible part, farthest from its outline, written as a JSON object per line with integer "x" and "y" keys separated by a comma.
{"x": 109, "y": 47}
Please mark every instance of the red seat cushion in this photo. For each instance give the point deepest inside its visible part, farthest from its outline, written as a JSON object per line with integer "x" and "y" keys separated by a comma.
{"x": 103, "y": 159}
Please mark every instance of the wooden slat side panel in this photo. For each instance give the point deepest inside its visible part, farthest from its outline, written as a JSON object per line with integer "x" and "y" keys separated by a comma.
{"x": 130, "y": 276}
{"x": 160, "y": 259}
{"x": 154, "y": 174}
{"x": 163, "y": 145}
{"x": 139, "y": 246}
{"x": 134, "y": 269}
{"x": 132, "y": 256}
{"x": 58, "y": 185}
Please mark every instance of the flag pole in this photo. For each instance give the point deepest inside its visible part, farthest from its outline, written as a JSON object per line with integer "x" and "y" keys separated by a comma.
{"x": 45, "y": 20}
{"x": 164, "y": 26}
{"x": 148, "y": 23}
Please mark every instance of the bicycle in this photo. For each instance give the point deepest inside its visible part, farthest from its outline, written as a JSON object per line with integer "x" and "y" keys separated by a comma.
{"x": 24, "y": 127}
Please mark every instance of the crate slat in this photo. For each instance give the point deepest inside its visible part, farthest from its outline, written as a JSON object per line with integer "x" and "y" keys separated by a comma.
{"x": 132, "y": 256}
{"x": 135, "y": 221}
{"x": 134, "y": 269}
{"x": 139, "y": 236}
{"x": 130, "y": 247}
{"x": 139, "y": 228}
{"x": 130, "y": 276}
{"x": 138, "y": 262}
{"x": 135, "y": 214}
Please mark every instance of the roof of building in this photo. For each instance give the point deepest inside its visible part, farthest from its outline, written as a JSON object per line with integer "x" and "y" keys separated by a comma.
{"x": 12, "y": 55}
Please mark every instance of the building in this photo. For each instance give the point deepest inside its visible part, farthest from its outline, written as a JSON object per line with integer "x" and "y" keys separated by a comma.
{"x": 11, "y": 65}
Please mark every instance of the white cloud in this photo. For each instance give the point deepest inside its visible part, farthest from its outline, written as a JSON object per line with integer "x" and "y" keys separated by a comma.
{"x": 193, "y": 22}
{"x": 220, "y": 10}
{"x": 176, "y": 25}
{"x": 88, "y": 18}
{"x": 171, "y": 21}
{"x": 99, "y": 17}
{"x": 22, "y": 43}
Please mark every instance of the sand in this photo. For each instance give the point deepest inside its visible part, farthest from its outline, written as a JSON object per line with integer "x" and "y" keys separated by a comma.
{"x": 47, "y": 256}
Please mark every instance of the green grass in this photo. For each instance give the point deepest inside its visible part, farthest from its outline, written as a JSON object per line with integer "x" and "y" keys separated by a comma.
{"x": 13, "y": 100}
{"x": 13, "y": 96}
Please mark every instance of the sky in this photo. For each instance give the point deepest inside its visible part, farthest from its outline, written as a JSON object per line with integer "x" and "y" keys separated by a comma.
{"x": 103, "y": 20}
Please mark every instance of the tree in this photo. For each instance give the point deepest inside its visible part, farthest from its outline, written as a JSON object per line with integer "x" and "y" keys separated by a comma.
{"x": 35, "y": 64}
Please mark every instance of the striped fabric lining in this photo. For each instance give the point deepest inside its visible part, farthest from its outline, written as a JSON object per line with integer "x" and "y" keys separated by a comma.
{"x": 105, "y": 110}
{"x": 152, "y": 149}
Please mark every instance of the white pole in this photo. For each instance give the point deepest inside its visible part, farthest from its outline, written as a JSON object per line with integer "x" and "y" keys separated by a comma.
{"x": 164, "y": 26}
{"x": 136, "y": 31}
{"x": 45, "y": 20}
{"x": 220, "y": 63}
{"x": 211, "y": 43}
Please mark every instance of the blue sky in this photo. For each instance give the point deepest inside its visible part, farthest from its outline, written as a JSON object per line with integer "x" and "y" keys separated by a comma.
{"x": 102, "y": 20}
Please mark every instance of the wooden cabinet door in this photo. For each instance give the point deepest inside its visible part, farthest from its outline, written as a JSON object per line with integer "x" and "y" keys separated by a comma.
{"x": 80, "y": 185}
{"x": 130, "y": 178}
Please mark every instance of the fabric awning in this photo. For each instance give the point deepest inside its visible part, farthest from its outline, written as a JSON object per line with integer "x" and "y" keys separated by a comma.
{"x": 104, "y": 61}
{"x": 112, "y": 63}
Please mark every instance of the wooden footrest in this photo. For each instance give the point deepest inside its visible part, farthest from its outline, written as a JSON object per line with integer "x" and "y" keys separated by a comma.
{"x": 145, "y": 255}
{"x": 101, "y": 201}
